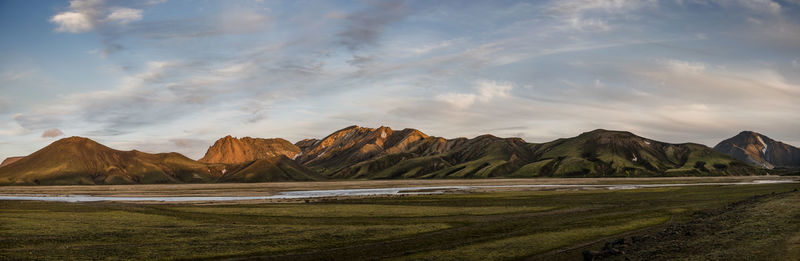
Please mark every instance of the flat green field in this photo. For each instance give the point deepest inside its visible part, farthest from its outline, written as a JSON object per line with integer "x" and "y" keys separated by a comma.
{"x": 472, "y": 226}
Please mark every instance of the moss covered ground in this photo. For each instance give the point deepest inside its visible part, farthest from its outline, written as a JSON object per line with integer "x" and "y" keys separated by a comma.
{"x": 473, "y": 226}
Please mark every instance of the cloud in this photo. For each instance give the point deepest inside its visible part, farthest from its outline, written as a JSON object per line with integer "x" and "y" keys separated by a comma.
{"x": 594, "y": 15}
{"x": 316, "y": 69}
{"x": 363, "y": 28}
{"x": 43, "y": 117}
{"x": 96, "y": 16}
{"x": 360, "y": 61}
{"x": 762, "y": 6}
{"x": 184, "y": 142}
{"x": 87, "y": 15}
{"x": 239, "y": 21}
{"x": 5, "y": 104}
{"x": 72, "y": 22}
{"x": 487, "y": 90}
{"x": 679, "y": 66}
{"x": 15, "y": 75}
{"x": 724, "y": 85}
{"x": 234, "y": 21}
{"x": 124, "y": 15}
{"x": 458, "y": 100}
{"x": 673, "y": 100}
{"x": 166, "y": 91}
{"x": 593, "y": 25}
{"x": 579, "y": 7}
{"x": 112, "y": 109}
{"x": 52, "y": 133}
{"x": 431, "y": 47}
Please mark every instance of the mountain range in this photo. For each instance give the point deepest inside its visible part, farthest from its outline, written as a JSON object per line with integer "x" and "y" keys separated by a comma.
{"x": 382, "y": 153}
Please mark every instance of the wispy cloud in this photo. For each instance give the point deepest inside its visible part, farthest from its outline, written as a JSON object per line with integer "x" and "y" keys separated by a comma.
{"x": 486, "y": 91}
{"x": 673, "y": 70}
{"x": 124, "y": 15}
{"x": 14, "y": 75}
{"x": 52, "y": 133}
{"x": 363, "y": 28}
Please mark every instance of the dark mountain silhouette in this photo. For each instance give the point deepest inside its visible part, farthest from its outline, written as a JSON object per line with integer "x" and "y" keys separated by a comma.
{"x": 760, "y": 150}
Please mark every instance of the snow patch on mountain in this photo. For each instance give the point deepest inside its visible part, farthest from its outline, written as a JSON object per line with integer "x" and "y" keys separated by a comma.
{"x": 764, "y": 145}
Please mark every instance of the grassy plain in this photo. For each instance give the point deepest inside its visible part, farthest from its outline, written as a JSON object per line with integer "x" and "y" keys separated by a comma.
{"x": 472, "y": 226}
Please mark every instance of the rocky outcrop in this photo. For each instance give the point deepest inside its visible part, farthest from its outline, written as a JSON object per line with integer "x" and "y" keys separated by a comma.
{"x": 355, "y": 144}
{"x": 230, "y": 150}
{"x": 10, "y": 160}
{"x": 760, "y": 150}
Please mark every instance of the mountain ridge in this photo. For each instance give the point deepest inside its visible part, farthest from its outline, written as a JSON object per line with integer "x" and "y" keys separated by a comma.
{"x": 375, "y": 153}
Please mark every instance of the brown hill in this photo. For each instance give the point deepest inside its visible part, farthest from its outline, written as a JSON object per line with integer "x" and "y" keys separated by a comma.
{"x": 10, "y": 160}
{"x": 77, "y": 160}
{"x": 757, "y": 149}
{"x": 230, "y": 150}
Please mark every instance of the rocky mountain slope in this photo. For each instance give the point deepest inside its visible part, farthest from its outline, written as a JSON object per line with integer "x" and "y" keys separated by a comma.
{"x": 482, "y": 157}
{"x": 760, "y": 150}
{"x": 356, "y": 152}
{"x": 355, "y": 144}
{"x": 230, "y": 150}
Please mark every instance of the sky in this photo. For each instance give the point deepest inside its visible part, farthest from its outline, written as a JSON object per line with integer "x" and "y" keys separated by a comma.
{"x": 175, "y": 75}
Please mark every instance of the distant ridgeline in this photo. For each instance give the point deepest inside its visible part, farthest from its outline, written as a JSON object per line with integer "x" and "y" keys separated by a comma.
{"x": 367, "y": 153}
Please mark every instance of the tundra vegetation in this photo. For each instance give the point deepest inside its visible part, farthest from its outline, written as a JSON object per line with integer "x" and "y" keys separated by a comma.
{"x": 556, "y": 224}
